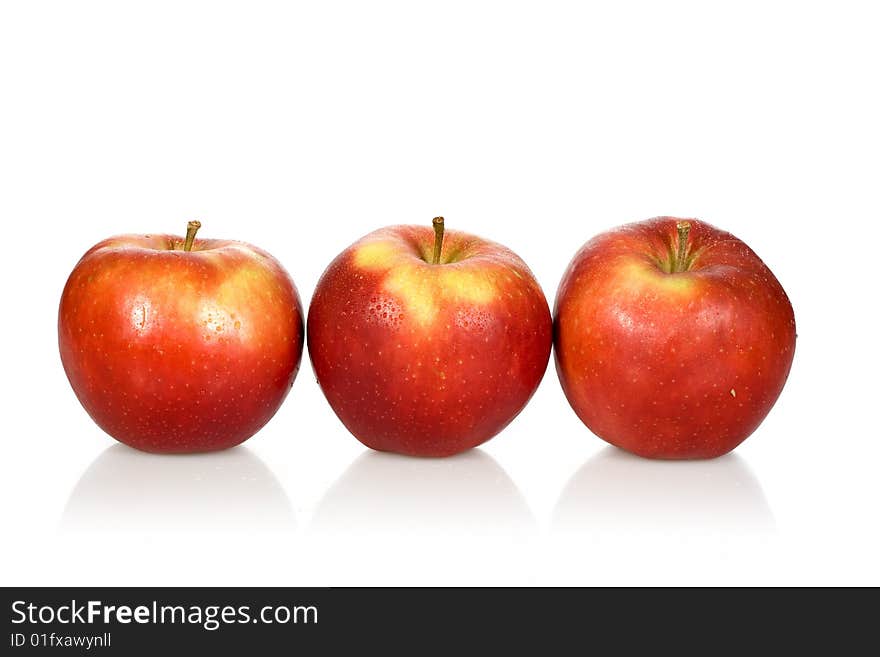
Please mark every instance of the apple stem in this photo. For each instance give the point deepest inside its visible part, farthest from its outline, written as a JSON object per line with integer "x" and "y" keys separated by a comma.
{"x": 684, "y": 229}
{"x": 438, "y": 239}
{"x": 191, "y": 229}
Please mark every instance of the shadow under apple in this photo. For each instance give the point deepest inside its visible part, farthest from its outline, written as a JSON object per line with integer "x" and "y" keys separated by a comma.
{"x": 127, "y": 490}
{"x": 617, "y": 492}
{"x": 467, "y": 494}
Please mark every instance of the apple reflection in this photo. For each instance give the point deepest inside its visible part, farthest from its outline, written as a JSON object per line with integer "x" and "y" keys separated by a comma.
{"x": 127, "y": 490}
{"x": 618, "y": 492}
{"x": 390, "y": 494}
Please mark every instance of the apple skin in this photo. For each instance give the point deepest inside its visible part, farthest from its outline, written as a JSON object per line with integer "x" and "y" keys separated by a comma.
{"x": 424, "y": 359}
{"x": 174, "y": 351}
{"x": 672, "y": 365}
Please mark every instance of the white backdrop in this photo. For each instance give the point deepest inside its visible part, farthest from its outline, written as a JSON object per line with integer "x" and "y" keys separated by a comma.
{"x": 302, "y": 126}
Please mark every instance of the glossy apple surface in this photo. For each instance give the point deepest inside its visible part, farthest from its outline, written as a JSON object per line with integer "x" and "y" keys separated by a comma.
{"x": 428, "y": 359}
{"x": 673, "y": 339}
{"x": 172, "y": 350}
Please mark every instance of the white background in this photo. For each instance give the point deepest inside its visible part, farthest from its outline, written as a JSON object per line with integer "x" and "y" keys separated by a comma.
{"x": 302, "y": 126}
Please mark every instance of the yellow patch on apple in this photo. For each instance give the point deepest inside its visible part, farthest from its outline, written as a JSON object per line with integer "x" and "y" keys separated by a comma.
{"x": 244, "y": 282}
{"x": 420, "y": 286}
{"x": 639, "y": 275}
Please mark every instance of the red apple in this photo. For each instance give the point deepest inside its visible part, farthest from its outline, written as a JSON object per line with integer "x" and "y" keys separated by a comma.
{"x": 673, "y": 339}
{"x": 176, "y": 345}
{"x": 428, "y": 343}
